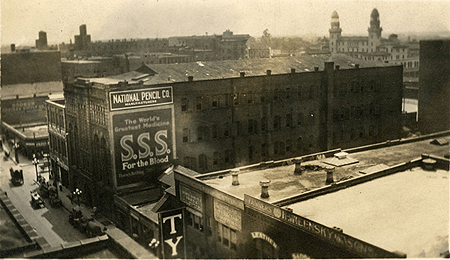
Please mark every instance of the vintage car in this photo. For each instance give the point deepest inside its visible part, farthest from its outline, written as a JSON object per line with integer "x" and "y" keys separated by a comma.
{"x": 36, "y": 200}
{"x": 16, "y": 177}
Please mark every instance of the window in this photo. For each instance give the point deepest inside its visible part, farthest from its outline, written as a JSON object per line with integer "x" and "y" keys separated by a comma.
{"x": 226, "y": 236}
{"x": 289, "y": 120}
{"x": 199, "y": 103}
{"x": 250, "y": 153}
{"x": 184, "y": 104}
{"x": 215, "y": 102}
{"x": 264, "y": 151}
{"x": 202, "y": 133}
{"x": 276, "y": 123}
{"x": 312, "y": 118}
{"x": 238, "y": 128}
{"x": 214, "y": 131}
{"x": 202, "y": 162}
{"x": 215, "y": 158}
{"x": 279, "y": 148}
{"x": 300, "y": 119}
{"x": 299, "y": 143}
{"x": 263, "y": 124}
{"x": 193, "y": 220}
{"x": 252, "y": 126}
{"x": 288, "y": 146}
{"x": 226, "y": 131}
{"x": 185, "y": 135}
{"x": 227, "y": 158}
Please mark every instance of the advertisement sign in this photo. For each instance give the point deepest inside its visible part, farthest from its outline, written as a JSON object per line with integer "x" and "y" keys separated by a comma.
{"x": 323, "y": 232}
{"x": 140, "y": 98}
{"x": 227, "y": 215}
{"x": 143, "y": 144}
{"x": 192, "y": 198}
{"x": 172, "y": 237}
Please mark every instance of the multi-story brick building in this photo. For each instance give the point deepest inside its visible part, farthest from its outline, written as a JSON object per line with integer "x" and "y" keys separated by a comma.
{"x": 221, "y": 120}
{"x": 434, "y": 86}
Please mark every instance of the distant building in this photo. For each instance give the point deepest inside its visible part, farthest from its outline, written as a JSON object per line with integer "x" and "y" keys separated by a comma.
{"x": 434, "y": 90}
{"x": 28, "y": 79}
{"x": 41, "y": 43}
{"x": 83, "y": 39}
{"x": 373, "y": 47}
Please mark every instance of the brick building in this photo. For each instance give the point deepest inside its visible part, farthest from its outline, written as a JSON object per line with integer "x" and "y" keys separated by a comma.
{"x": 434, "y": 86}
{"x": 266, "y": 115}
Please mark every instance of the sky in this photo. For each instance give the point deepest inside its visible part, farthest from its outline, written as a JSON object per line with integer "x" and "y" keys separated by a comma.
{"x": 21, "y": 20}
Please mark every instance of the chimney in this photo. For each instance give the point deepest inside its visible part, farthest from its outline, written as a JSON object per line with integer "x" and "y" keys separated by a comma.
{"x": 13, "y": 47}
{"x": 316, "y": 68}
{"x": 292, "y": 70}
{"x": 190, "y": 78}
{"x": 337, "y": 67}
{"x": 235, "y": 179}
{"x": 264, "y": 188}
{"x": 269, "y": 72}
{"x": 298, "y": 166}
{"x": 329, "y": 170}
{"x": 356, "y": 66}
{"x": 242, "y": 74}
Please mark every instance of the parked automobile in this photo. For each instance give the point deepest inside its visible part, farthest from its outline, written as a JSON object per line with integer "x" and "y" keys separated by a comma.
{"x": 36, "y": 200}
{"x": 16, "y": 177}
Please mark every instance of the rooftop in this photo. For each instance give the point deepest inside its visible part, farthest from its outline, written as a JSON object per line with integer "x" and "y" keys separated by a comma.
{"x": 209, "y": 70}
{"x": 284, "y": 183}
{"x": 407, "y": 211}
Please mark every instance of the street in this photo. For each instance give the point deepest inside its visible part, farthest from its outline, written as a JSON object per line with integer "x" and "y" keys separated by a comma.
{"x": 50, "y": 223}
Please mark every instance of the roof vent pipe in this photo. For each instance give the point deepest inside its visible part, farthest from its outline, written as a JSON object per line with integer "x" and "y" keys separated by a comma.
{"x": 429, "y": 164}
{"x": 298, "y": 166}
{"x": 269, "y": 72}
{"x": 330, "y": 171}
{"x": 264, "y": 188}
{"x": 235, "y": 177}
{"x": 356, "y": 66}
{"x": 337, "y": 67}
{"x": 242, "y": 74}
{"x": 190, "y": 78}
{"x": 316, "y": 68}
{"x": 292, "y": 70}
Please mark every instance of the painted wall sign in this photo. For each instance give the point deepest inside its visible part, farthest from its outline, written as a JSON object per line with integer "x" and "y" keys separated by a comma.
{"x": 227, "y": 215}
{"x": 265, "y": 237}
{"x": 329, "y": 234}
{"x": 172, "y": 237}
{"x": 192, "y": 198}
{"x": 143, "y": 144}
{"x": 140, "y": 98}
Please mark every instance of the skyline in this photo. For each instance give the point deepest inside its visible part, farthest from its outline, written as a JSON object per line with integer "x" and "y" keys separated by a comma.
{"x": 21, "y": 21}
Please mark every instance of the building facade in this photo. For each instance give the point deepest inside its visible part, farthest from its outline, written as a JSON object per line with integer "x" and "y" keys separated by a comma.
{"x": 56, "y": 123}
{"x": 242, "y": 120}
{"x": 434, "y": 86}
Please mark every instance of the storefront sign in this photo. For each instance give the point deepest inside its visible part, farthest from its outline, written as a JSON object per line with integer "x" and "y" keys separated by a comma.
{"x": 143, "y": 144}
{"x": 265, "y": 237}
{"x": 193, "y": 199}
{"x": 329, "y": 234}
{"x": 227, "y": 215}
{"x": 140, "y": 98}
{"x": 172, "y": 236}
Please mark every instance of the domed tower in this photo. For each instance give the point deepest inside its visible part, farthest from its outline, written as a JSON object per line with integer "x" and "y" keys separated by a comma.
{"x": 374, "y": 30}
{"x": 335, "y": 32}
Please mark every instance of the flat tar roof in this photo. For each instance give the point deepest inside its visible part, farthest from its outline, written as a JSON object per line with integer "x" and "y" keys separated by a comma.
{"x": 284, "y": 183}
{"x": 406, "y": 211}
